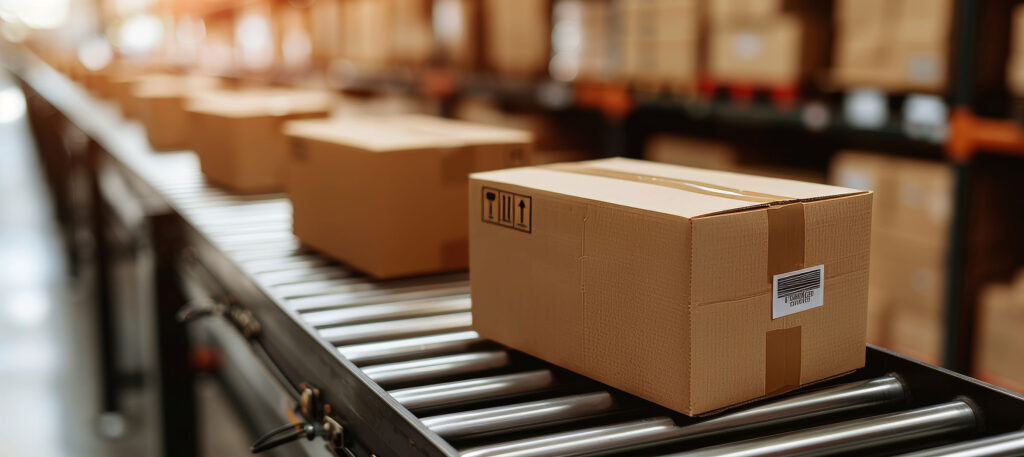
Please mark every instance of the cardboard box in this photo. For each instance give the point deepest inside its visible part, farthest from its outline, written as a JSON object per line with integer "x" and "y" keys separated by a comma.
{"x": 517, "y": 36}
{"x": 911, "y": 271}
{"x": 916, "y": 333}
{"x": 731, "y": 10}
{"x": 922, "y": 199}
{"x": 160, "y": 103}
{"x": 387, "y": 195}
{"x": 896, "y": 45}
{"x": 768, "y": 52}
{"x": 999, "y": 339}
{"x": 237, "y": 134}
{"x": 657, "y": 279}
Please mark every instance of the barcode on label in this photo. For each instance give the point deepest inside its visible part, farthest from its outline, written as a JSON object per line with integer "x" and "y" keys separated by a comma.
{"x": 798, "y": 291}
{"x": 801, "y": 282}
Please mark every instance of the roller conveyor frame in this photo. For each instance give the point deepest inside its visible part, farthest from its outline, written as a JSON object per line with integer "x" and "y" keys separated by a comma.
{"x": 243, "y": 271}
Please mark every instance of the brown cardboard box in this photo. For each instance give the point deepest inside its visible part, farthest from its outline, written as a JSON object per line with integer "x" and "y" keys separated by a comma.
{"x": 388, "y": 195}
{"x": 456, "y": 31}
{"x": 921, "y": 199}
{"x": 730, "y": 10}
{"x": 657, "y": 279}
{"x": 767, "y": 52}
{"x": 367, "y": 26}
{"x": 237, "y": 134}
{"x": 1000, "y": 341}
{"x": 660, "y": 43}
{"x": 915, "y": 333}
{"x": 868, "y": 171}
{"x": 517, "y": 36}
{"x": 160, "y": 103}
{"x": 897, "y": 45}
{"x": 911, "y": 271}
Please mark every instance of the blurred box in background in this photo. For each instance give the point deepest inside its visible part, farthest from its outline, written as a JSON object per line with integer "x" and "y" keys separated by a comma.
{"x": 999, "y": 343}
{"x": 160, "y": 103}
{"x": 766, "y": 43}
{"x": 387, "y": 195}
{"x": 913, "y": 202}
{"x": 237, "y": 134}
{"x": 517, "y": 36}
{"x": 660, "y": 42}
{"x": 896, "y": 45}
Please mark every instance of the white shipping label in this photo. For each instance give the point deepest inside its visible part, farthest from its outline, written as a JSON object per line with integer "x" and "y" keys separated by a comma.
{"x": 797, "y": 291}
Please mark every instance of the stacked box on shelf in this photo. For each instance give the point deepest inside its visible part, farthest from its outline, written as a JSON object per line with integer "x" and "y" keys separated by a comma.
{"x": 325, "y": 32}
{"x": 412, "y": 38}
{"x": 582, "y": 50}
{"x": 765, "y": 43}
{"x": 517, "y": 36}
{"x": 1015, "y": 64}
{"x": 1000, "y": 342}
{"x": 660, "y": 42}
{"x": 367, "y": 26}
{"x": 913, "y": 201}
{"x": 456, "y": 31}
{"x": 897, "y": 45}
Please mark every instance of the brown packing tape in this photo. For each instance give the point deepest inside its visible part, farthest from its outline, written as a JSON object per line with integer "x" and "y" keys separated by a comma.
{"x": 785, "y": 239}
{"x": 781, "y": 360}
{"x": 681, "y": 184}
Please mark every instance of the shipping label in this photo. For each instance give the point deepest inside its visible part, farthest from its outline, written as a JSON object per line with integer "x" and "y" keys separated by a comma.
{"x": 797, "y": 291}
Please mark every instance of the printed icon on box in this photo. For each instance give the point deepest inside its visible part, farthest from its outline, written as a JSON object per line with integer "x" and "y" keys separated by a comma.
{"x": 507, "y": 209}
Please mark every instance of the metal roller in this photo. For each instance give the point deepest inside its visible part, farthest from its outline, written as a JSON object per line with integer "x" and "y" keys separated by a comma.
{"x": 858, "y": 435}
{"x": 282, "y": 246}
{"x": 401, "y": 328}
{"x": 346, "y": 287}
{"x": 268, "y": 255}
{"x": 487, "y": 388}
{"x": 407, "y": 348}
{"x": 275, "y": 225}
{"x": 436, "y": 367}
{"x": 386, "y": 311}
{"x": 320, "y": 273}
{"x": 379, "y": 295}
{"x": 296, "y": 263}
{"x": 578, "y": 441}
{"x": 1005, "y": 445}
{"x": 520, "y": 416}
{"x": 846, "y": 399}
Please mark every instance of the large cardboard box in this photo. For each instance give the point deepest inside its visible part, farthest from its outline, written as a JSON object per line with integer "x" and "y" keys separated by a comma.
{"x": 896, "y": 45}
{"x": 517, "y": 36}
{"x": 387, "y": 195}
{"x": 160, "y": 103}
{"x": 658, "y": 279}
{"x": 911, "y": 271}
{"x": 1000, "y": 341}
{"x": 915, "y": 333}
{"x": 237, "y": 134}
{"x": 768, "y": 52}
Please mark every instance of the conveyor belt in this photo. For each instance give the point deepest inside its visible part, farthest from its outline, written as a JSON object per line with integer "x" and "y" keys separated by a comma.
{"x": 406, "y": 375}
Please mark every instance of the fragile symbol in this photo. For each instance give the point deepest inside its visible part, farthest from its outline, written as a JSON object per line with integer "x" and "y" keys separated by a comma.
{"x": 507, "y": 209}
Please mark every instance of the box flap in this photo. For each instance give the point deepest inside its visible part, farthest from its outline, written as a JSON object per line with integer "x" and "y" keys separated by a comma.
{"x": 670, "y": 189}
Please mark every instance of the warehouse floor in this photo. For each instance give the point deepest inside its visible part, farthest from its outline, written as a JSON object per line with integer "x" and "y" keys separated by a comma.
{"x": 49, "y": 388}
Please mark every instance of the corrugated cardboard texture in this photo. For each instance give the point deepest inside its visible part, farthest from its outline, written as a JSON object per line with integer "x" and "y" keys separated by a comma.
{"x": 664, "y": 292}
{"x": 388, "y": 195}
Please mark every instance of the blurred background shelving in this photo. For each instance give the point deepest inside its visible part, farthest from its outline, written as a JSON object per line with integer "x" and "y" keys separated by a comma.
{"x": 919, "y": 100}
